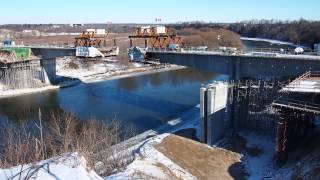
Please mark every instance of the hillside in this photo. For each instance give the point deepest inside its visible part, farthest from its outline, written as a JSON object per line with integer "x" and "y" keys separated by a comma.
{"x": 211, "y": 37}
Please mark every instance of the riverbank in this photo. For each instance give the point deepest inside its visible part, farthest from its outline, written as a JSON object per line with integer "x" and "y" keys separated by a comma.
{"x": 20, "y": 92}
{"x": 271, "y": 41}
{"x": 128, "y": 73}
{"x": 169, "y": 152}
{"x": 97, "y": 71}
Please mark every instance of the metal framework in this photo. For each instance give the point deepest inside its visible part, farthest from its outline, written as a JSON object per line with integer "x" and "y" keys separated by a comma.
{"x": 154, "y": 38}
{"x": 307, "y": 83}
{"x": 297, "y": 107}
{"x": 88, "y": 39}
{"x": 260, "y": 105}
{"x": 250, "y": 103}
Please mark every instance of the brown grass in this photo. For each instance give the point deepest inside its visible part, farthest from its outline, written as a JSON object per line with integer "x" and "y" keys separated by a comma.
{"x": 52, "y": 40}
{"x": 209, "y": 37}
{"x": 200, "y": 160}
{"x": 73, "y": 65}
{"x": 62, "y": 134}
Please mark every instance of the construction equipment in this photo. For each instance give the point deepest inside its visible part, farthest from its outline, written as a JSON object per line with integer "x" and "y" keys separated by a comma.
{"x": 88, "y": 39}
{"x": 156, "y": 36}
{"x": 92, "y": 43}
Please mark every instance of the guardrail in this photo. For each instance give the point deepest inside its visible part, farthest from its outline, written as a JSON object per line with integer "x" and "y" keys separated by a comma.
{"x": 299, "y": 84}
{"x": 37, "y": 46}
{"x": 240, "y": 53}
{"x": 309, "y": 74}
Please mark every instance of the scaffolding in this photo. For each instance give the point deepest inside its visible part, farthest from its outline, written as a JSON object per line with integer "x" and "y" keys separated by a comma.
{"x": 21, "y": 75}
{"x": 250, "y": 102}
{"x": 156, "y": 36}
{"x": 298, "y": 106}
{"x": 266, "y": 106}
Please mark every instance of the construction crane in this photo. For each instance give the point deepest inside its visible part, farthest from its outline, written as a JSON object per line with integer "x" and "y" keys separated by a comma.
{"x": 156, "y": 36}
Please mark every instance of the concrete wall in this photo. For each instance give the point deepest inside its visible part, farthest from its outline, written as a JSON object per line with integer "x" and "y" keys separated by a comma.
{"x": 49, "y": 70}
{"x": 213, "y": 100}
{"x": 238, "y": 66}
{"x": 203, "y": 114}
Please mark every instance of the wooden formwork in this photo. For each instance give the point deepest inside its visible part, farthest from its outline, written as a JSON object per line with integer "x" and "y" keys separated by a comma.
{"x": 20, "y": 75}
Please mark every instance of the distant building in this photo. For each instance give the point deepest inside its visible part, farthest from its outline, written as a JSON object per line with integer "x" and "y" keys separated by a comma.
{"x": 29, "y": 33}
{"x": 76, "y": 25}
{"x": 97, "y": 31}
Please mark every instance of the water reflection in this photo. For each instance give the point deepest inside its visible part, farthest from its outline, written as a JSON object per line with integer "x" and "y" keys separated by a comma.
{"x": 27, "y": 107}
{"x": 145, "y": 101}
{"x": 174, "y": 78}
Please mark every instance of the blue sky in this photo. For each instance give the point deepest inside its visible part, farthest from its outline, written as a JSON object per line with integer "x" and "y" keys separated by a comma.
{"x": 145, "y": 11}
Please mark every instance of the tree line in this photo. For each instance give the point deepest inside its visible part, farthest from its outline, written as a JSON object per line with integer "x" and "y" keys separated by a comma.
{"x": 302, "y": 32}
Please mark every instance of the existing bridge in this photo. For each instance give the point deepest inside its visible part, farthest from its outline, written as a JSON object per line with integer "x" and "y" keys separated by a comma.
{"x": 53, "y": 52}
{"x": 239, "y": 66}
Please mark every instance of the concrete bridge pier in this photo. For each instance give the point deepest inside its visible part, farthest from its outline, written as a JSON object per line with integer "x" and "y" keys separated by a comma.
{"x": 234, "y": 72}
{"x": 213, "y": 101}
{"x": 48, "y": 68}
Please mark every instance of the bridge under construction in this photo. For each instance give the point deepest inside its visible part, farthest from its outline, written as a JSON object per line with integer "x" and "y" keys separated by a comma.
{"x": 263, "y": 94}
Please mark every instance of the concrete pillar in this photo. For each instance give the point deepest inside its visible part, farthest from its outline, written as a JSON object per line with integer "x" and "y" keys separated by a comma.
{"x": 210, "y": 115}
{"x": 145, "y": 43}
{"x": 48, "y": 67}
{"x": 213, "y": 101}
{"x": 203, "y": 114}
{"x": 131, "y": 42}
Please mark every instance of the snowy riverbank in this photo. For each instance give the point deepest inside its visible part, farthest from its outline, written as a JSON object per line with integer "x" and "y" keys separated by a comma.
{"x": 68, "y": 166}
{"x": 104, "y": 70}
{"x": 95, "y": 72}
{"x": 20, "y": 92}
{"x": 271, "y": 41}
{"x": 164, "y": 153}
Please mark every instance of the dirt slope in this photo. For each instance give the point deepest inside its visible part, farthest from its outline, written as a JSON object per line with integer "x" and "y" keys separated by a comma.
{"x": 200, "y": 160}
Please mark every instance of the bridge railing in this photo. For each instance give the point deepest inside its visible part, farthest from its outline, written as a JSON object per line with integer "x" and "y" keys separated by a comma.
{"x": 300, "y": 81}
{"x": 37, "y": 46}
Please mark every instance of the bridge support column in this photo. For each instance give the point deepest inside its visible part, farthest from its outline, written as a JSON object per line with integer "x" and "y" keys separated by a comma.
{"x": 203, "y": 114}
{"x": 48, "y": 67}
{"x": 213, "y": 100}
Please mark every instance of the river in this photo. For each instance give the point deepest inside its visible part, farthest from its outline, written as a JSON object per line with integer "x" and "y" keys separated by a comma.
{"x": 145, "y": 101}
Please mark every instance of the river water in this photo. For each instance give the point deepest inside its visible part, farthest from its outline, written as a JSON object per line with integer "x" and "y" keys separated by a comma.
{"x": 145, "y": 101}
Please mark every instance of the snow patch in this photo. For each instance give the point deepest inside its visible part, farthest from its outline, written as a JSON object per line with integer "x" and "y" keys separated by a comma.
{"x": 148, "y": 161}
{"x": 271, "y": 41}
{"x": 70, "y": 166}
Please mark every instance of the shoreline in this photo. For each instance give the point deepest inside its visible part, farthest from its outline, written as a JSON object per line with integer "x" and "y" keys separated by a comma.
{"x": 129, "y": 74}
{"x": 272, "y": 41}
{"x": 21, "y": 92}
